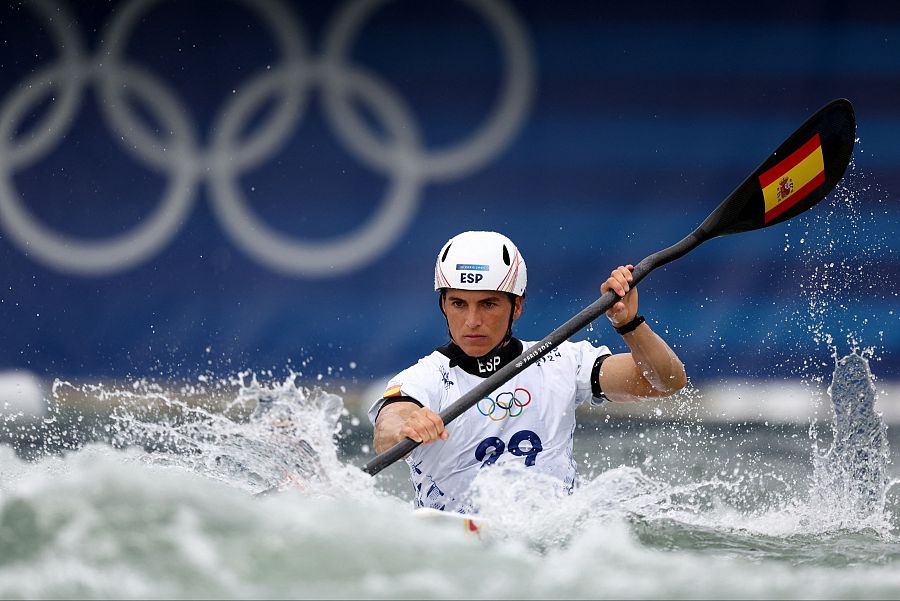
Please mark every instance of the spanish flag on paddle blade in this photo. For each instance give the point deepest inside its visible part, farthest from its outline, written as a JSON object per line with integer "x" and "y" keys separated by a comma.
{"x": 792, "y": 179}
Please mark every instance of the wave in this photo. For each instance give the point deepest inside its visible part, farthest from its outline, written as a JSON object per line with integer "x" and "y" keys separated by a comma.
{"x": 171, "y": 506}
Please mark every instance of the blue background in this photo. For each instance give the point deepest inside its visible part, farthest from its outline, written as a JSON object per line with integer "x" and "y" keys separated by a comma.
{"x": 643, "y": 118}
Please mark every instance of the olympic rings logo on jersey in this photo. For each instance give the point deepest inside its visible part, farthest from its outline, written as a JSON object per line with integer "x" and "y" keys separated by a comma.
{"x": 398, "y": 153}
{"x": 507, "y": 404}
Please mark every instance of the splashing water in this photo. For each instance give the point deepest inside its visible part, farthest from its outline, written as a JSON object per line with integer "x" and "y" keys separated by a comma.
{"x": 851, "y": 476}
{"x": 845, "y": 279}
{"x": 172, "y": 512}
{"x": 844, "y": 493}
{"x": 264, "y": 437}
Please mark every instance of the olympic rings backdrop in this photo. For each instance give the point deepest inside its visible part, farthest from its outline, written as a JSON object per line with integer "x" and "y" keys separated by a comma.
{"x": 220, "y": 185}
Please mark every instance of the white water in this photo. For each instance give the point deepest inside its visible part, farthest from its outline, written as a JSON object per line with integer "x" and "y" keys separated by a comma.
{"x": 183, "y": 521}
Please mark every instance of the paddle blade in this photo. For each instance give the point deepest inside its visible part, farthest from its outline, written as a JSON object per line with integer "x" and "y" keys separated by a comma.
{"x": 800, "y": 173}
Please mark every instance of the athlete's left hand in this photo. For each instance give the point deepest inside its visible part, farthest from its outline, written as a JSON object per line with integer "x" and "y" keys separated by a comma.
{"x": 620, "y": 282}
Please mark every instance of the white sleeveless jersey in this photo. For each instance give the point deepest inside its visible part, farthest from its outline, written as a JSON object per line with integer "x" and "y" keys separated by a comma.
{"x": 530, "y": 420}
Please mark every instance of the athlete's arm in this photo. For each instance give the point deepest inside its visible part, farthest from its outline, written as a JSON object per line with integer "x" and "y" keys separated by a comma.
{"x": 651, "y": 369}
{"x": 404, "y": 419}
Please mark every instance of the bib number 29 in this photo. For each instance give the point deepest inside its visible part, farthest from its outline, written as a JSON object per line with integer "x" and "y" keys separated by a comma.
{"x": 524, "y": 443}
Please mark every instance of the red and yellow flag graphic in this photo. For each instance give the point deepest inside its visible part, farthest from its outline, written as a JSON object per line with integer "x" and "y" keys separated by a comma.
{"x": 792, "y": 179}
{"x": 392, "y": 391}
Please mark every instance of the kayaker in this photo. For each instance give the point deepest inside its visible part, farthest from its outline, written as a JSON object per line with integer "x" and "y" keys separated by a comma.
{"x": 481, "y": 280}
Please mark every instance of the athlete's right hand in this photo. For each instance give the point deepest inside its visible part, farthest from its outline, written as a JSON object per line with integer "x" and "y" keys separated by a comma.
{"x": 424, "y": 426}
{"x": 405, "y": 419}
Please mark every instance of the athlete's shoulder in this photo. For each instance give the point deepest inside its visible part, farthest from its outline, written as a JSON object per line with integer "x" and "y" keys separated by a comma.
{"x": 571, "y": 347}
{"x": 571, "y": 354}
{"x": 434, "y": 360}
{"x": 580, "y": 346}
{"x": 433, "y": 365}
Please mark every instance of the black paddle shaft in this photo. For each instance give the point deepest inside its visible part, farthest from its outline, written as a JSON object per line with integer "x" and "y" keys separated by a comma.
{"x": 531, "y": 355}
{"x": 832, "y": 129}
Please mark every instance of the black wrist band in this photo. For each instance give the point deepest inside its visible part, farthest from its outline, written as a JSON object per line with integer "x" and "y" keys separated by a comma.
{"x": 631, "y": 325}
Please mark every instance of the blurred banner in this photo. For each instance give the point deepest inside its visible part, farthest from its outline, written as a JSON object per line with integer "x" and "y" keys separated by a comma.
{"x": 206, "y": 187}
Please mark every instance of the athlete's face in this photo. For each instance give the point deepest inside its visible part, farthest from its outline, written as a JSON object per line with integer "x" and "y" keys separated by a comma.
{"x": 478, "y": 319}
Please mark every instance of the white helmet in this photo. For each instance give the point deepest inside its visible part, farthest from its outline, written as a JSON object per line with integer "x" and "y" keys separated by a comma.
{"x": 481, "y": 261}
